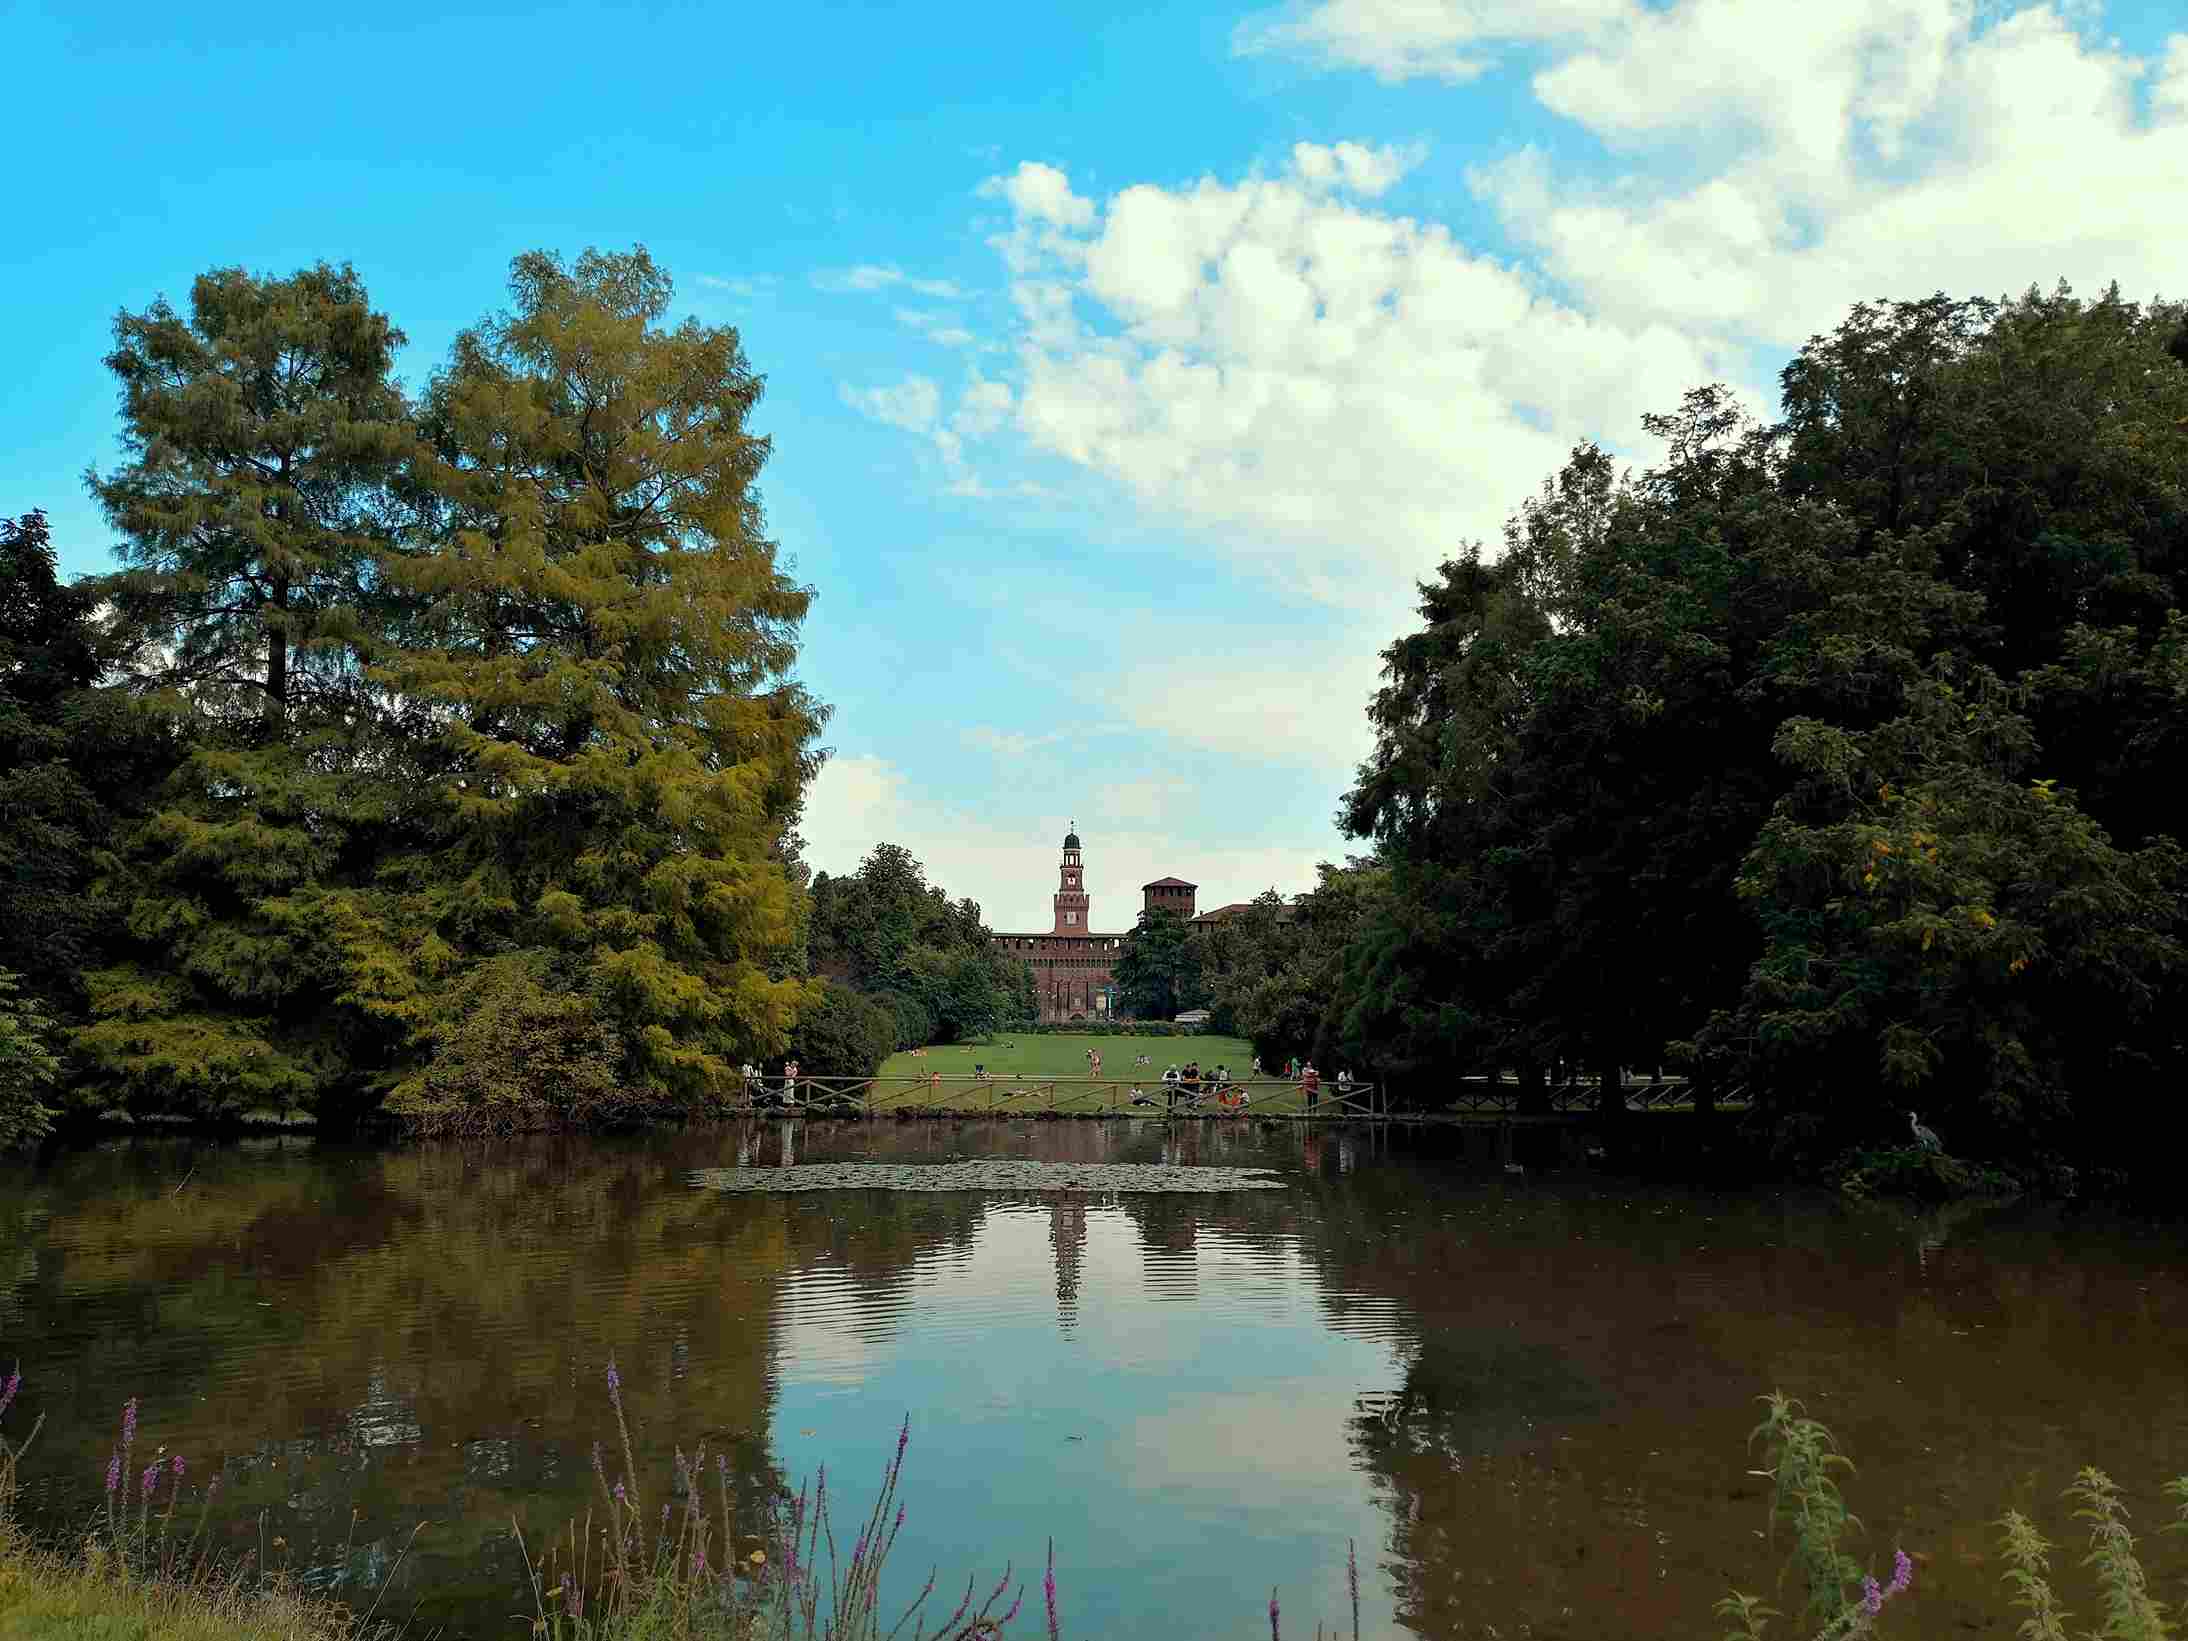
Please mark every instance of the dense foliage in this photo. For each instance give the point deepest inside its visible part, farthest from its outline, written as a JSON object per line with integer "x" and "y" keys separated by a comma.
{"x": 1826, "y": 757}
{"x": 889, "y": 935}
{"x": 1157, "y": 969}
{"x": 437, "y": 757}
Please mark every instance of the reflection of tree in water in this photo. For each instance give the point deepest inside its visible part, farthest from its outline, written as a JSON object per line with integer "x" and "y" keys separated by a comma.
{"x": 421, "y": 1334}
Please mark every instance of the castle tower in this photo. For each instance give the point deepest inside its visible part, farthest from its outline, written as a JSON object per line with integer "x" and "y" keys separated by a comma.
{"x": 1071, "y": 896}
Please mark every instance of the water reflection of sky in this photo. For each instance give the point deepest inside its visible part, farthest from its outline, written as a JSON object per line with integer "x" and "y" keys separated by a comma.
{"x": 1525, "y": 1398}
{"x": 1183, "y": 1435}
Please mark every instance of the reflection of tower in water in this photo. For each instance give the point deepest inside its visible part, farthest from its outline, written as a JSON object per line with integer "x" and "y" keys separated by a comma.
{"x": 1067, "y": 1237}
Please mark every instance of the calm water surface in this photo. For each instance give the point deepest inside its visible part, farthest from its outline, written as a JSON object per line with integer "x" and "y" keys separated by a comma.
{"x": 1525, "y": 1397}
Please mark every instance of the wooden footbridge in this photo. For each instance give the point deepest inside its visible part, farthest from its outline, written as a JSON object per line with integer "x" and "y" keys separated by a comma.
{"x": 1005, "y": 1094}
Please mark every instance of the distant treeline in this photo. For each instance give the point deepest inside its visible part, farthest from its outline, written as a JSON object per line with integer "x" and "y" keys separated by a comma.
{"x": 1836, "y": 761}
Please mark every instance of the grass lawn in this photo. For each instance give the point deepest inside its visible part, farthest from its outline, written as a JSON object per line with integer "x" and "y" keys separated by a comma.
{"x": 1022, "y": 1065}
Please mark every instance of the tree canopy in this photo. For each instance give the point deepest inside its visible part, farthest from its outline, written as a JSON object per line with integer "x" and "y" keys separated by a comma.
{"x": 1815, "y": 756}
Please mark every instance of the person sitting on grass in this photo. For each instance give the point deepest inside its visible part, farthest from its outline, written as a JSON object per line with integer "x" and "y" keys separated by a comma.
{"x": 1141, "y": 1098}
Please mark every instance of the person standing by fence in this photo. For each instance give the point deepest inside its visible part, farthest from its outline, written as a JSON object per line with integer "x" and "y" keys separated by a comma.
{"x": 1310, "y": 1087}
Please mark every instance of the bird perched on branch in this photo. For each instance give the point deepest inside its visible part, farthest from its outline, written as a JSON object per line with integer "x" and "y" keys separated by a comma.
{"x": 1924, "y": 1137}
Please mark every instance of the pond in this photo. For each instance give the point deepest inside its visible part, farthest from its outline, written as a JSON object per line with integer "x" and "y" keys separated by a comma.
{"x": 1525, "y": 1396}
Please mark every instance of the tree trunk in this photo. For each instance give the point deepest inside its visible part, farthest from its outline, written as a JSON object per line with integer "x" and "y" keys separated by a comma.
{"x": 277, "y": 656}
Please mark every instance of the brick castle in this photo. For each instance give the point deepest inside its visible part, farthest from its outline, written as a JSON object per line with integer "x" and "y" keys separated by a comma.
{"x": 1071, "y": 962}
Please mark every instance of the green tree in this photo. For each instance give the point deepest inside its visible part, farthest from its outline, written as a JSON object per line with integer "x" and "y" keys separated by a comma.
{"x": 846, "y": 1034}
{"x": 265, "y": 436}
{"x": 1624, "y": 776}
{"x": 50, "y": 817}
{"x": 888, "y": 932}
{"x": 28, "y": 1068}
{"x": 1157, "y": 970}
{"x": 603, "y": 642}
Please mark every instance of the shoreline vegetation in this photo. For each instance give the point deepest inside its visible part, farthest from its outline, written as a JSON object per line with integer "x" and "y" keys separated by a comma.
{"x": 439, "y": 757}
{"x": 698, "y": 1571}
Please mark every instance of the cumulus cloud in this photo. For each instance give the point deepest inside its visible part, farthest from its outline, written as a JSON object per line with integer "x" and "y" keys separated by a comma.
{"x": 1354, "y": 166}
{"x": 1773, "y": 163}
{"x": 1328, "y": 388}
{"x": 1782, "y": 163}
{"x": 1040, "y": 193}
{"x": 1010, "y": 867}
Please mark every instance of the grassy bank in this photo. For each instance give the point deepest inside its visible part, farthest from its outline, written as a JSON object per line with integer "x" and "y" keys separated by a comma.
{"x": 47, "y": 1596}
{"x": 1063, "y": 1054}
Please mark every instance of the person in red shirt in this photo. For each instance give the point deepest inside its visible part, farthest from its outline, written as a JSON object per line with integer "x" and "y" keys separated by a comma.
{"x": 1310, "y": 1084}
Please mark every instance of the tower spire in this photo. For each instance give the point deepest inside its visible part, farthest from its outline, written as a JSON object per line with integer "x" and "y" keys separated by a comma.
{"x": 1072, "y": 900}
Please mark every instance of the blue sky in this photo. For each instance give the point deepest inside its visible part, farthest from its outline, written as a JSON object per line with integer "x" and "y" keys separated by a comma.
{"x": 1124, "y": 366}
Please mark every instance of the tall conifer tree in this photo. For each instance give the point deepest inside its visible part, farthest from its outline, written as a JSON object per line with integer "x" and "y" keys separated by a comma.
{"x": 264, "y": 433}
{"x": 605, "y": 644}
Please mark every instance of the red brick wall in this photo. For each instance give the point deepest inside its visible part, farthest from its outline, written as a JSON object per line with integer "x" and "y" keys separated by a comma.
{"x": 1068, "y": 970}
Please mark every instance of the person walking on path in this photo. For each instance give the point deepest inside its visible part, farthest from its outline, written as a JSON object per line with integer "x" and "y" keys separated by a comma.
{"x": 1310, "y": 1085}
{"x": 1094, "y": 1059}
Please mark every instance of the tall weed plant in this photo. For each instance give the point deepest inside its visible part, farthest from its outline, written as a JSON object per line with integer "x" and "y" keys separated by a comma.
{"x": 1842, "y": 1598}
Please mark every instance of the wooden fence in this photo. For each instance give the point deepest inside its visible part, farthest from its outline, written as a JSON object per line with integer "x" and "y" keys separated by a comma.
{"x": 1003, "y": 1094}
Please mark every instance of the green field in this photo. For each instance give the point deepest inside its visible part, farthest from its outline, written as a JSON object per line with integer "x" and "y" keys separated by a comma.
{"x": 1062, "y": 1056}
{"x": 1022, "y": 1066}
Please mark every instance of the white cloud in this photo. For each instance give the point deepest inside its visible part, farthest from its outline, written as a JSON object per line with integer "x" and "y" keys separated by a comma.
{"x": 1409, "y": 39}
{"x": 1009, "y": 864}
{"x": 1332, "y": 392}
{"x": 1786, "y": 162}
{"x": 944, "y": 329}
{"x": 1338, "y": 393}
{"x": 1041, "y": 193}
{"x": 868, "y": 277}
{"x": 914, "y": 404}
{"x": 1354, "y": 166}
{"x": 737, "y": 285}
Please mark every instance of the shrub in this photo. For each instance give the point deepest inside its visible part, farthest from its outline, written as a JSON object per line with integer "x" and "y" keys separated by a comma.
{"x": 846, "y": 1034}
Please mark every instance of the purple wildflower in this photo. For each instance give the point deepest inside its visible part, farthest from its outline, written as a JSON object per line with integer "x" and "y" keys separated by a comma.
{"x": 615, "y": 1379}
{"x": 8, "y": 1390}
{"x": 903, "y": 1436}
{"x": 1004, "y": 1621}
{"x": 148, "y": 1481}
{"x": 1902, "y": 1572}
{"x": 180, "y": 1467}
{"x": 1273, "y": 1636}
{"x": 1048, "y": 1588}
{"x": 699, "y": 1562}
{"x": 114, "y": 1471}
{"x": 1872, "y": 1597}
{"x": 664, "y": 1514}
{"x": 619, "y": 1498}
{"x": 899, "y": 1517}
{"x": 129, "y": 1421}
